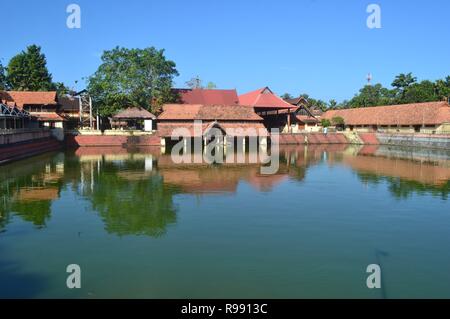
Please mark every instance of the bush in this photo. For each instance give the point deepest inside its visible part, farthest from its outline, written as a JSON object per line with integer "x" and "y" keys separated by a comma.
{"x": 325, "y": 122}
{"x": 338, "y": 121}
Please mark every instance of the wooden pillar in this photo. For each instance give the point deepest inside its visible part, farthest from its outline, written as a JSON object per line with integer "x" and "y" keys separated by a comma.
{"x": 289, "y": 120}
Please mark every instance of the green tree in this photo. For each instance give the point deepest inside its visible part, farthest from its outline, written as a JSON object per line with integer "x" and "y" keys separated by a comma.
{"x": 332, "y": 104}
{"x": 338, "y": 121}
{"x": 286, "y": 96}
{"x": 325, "y": 122}
{"x": 443, "y": 88}
{"x": 27, "y": 71}
{"x": 195, "y": 83}
{"x": 132, "y": 77}
{"x": 425, "y": 91}
{"x": 211, "y": 85}
{"x": 3, "y": 85}
{"x": 401, "y": 84}
{"x": 372, "y": 95}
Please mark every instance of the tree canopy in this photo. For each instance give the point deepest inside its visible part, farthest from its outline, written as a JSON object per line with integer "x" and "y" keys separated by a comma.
{"x": 27, "y": 71}
{"x": 132, "y": 77}
{"x": 3, "y": 85}
{"x": 197, "y": 83}
{"x": 405, "y": 89}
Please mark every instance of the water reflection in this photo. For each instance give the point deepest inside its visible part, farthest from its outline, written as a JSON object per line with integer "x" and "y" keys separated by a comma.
{"x": 133, "y": 190}
{"x": 27, "y": 190}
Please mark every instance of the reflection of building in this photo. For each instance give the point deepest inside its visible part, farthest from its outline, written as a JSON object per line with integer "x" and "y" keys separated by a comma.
{"x": 406, "y": 169}
{"x": 418, "y": 117}
{"x": 37, "y": 193}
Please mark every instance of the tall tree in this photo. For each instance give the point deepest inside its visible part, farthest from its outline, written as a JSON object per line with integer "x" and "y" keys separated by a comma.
{"x": 27, "y": 71}
{"x": 3, "y": 85}
{"x": 332, "y": 104}
{"x": 401, "y": 84}
{"x": 132, "y": 77}
{"x": 286, "y": 96}
{"x": 372, "y": 95}
{"x": 211, "y": 85}
{"x": 443, "y": 88}
{"x": 195, "y": 83}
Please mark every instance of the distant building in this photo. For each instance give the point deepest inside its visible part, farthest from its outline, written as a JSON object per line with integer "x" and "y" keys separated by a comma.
{"x": 134, "y": 118}
{"x": 42, "y": 106}
{"x": 234, "y": 121}
{"x": 429, "y": 117}
{"x": 278, "y": 113}
{"x": 11, "y": 118}
{"x": 302, "y": 102}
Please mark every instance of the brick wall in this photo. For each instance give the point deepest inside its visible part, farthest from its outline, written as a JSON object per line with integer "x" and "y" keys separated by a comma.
{"x": 18, "y": 151}
{"x": 111, "y": 140}
{"x": 312, "y": 138}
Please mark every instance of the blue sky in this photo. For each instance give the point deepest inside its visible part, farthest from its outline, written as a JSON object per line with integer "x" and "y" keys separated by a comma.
{"x": 320, "y": 47}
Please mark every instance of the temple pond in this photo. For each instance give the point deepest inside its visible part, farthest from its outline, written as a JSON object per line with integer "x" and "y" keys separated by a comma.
{"x": 140, "y": 225}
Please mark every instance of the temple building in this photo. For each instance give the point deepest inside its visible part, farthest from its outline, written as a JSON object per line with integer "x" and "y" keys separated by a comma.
{"x": 42, "y": 106}
{"x": 302, "y": 102}
{"x": 233, "y": 121}
{"x": 278, "y": 113}
{"x": 429, "y": 117}
{"x": 11, "y": 118}
{"x": 134, "y": 118}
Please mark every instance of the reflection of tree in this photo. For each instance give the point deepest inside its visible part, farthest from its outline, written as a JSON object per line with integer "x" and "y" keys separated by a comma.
{"x": 133, "y": 206}
{"x": 401, "y": 188}
{"x": 27, "y": 189}
{"x": 36, "y": 212}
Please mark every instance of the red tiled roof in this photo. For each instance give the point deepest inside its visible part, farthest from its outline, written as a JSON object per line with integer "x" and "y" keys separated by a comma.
{"x": 297, "y": 101}
{"x": 48, "y": 117}
{"x": 306, "y": 119}
{"x": 265, "y": 99}
{"x": 429, "y": 113}
{"x": 22, "y": 98}
{"x": 134, "y": 113}
{"x": 207, "y": 96}
{"x": 208, "y": 112}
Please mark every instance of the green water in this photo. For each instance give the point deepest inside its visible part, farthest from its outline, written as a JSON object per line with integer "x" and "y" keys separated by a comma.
{"x": 141, "y": 226}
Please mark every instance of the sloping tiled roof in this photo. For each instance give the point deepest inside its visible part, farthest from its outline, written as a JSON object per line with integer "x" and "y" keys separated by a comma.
{"x": 307, "y": 119}
{"x": 264, "y": 98}
{"x": 430, "y": 113}
{"x": 48, "y": 117}
{"x": 134, "y": 113}
{"x": 21, "y": 98}
{"x": 208, "y": 112}
{"x": 296, "y": 101}
{"x": 207, "y": 96}
{"x": 69, "y": 103}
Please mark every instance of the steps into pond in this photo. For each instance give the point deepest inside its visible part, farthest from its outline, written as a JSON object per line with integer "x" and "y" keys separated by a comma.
{"x": 369, "y": 138}
{"x": 312, "y": 138}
